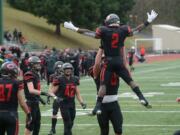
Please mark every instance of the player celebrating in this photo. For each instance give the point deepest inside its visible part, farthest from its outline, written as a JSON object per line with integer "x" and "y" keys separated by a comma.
{"x": 65, "y": 88}
{"x": 57, "y": 73}
{"x": 32, "y": 93}
{"x": 11, "y": 92}
{"x": 112, "y": 36}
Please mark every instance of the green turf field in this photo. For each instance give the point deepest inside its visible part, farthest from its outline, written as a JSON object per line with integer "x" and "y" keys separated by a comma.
{"x": 160, "y": 82}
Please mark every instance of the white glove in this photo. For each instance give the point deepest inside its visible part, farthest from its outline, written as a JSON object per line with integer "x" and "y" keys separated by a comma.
{"x": 70, "y": 26}
{"x": 151, "y": 16}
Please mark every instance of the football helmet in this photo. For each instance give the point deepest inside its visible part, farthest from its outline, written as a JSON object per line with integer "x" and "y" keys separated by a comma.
{"x": 9, "y": 69}
{"x": 34, "y": 63}
{"x": 58, "y": 67}
{"x": 67, "y": 66}
{"x": 112, "y": 19}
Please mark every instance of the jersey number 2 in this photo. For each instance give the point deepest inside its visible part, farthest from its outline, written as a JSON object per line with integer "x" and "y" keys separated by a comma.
{"x": 5, "y": 92}
{"x": 115, "y": 40}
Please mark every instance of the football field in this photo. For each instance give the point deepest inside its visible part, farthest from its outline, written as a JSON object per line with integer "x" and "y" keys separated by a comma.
{"x": 160, "y": 83}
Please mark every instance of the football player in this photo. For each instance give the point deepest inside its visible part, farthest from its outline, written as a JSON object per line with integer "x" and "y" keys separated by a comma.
{"x": 112, "y": 36}
{"x": 66, "y": 89}
{"x": 32, "y": 94}
{"x": 11, "y": 92}
{"x": 58, "y": 71}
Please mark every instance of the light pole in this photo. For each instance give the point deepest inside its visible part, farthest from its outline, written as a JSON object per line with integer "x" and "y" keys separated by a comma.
{"x": 1, "y": 22}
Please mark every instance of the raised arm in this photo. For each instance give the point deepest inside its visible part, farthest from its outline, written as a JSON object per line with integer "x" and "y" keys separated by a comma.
{"x": 86, "y": 32}
{"x": 151, "y": 17}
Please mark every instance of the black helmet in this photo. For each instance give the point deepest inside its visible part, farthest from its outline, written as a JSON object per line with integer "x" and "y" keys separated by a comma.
{"x": 58, "y": 66}
{"x": 112, "y": 19}
{"x": 67, "y": 66}
{"x": 9, "y": 69}
{"x": 34, "y": 60}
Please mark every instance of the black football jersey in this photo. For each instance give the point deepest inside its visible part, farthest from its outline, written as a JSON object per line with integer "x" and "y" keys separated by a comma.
{"x": 35, "y": 79}
{"x": 67, "y": 88}
{"x": 112, "y": 39}
{"x": 8, "y": 93}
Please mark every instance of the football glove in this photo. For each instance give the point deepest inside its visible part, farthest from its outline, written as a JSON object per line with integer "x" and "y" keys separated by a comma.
{"x": 42, "y": 101}
{"x": 28, "y": 119}
{"x": 145, "y": 103}
{"x": 58, "y": 99}
{"x": 151, "y": 16}
{"x": 83, "y": 105}
{"x": 48, "y": 100}
{"x": 44, "y": 93}
{"x": 70, "y": 26}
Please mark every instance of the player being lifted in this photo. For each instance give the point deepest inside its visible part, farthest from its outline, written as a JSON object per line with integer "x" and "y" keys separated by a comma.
{"x": 58, "y": 71}
{"x": 11, "y": 92}
{"x": 112, "y": 36}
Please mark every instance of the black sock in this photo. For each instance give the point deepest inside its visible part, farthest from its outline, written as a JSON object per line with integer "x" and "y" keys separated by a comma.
{"x": 54, "y": 121}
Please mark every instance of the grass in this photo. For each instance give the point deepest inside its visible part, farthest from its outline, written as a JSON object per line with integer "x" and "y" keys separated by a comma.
{"x": 162, "y": 119}
{"x": 37, "y": 30}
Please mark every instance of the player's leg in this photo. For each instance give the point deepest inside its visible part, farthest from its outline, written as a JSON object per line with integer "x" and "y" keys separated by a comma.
{"x": 66, "y": 120}
{"x": 104, "y": 79}
{"x": 30, "y": 126}
{"x": 103, "y": 121}
{"x": 177, "y": 132}
{"x": 13, "y": 124}
{"x": 73, "y": 115}
{"x": 116, "y": 118}
{"x": 2, "y": 124}
{"x": 37, "y": 122}
{"x": 124, "y": 73}
{"x": 54, "y": 118}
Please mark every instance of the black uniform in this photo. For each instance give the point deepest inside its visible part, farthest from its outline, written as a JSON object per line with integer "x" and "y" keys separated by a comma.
{"x": 112, "y": 42}
{"x": 110, "y": 110}
{"x": 67, "y": 91}
{"x": 33, "y": 101}
{"x": 9, "y": 105}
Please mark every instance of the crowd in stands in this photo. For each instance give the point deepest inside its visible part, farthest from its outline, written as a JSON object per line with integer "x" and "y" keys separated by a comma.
{"x": 15, "y": 36}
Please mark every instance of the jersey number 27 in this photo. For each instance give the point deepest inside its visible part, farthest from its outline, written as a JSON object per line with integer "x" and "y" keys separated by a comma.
{"x": 5, "y": 92}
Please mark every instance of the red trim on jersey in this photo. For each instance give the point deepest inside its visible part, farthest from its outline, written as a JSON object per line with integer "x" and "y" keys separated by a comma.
{"x": 17, "y": 127}
{"x": 103, "y": 72}
{"x": 28, "y": 77}
{"x": 98, "y": 32}
{"x": 21, "y": 86}
{"x": 129, "y": 29}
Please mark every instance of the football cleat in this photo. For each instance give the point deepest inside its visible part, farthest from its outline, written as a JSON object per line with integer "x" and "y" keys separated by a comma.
{"x": 52, "y": 132}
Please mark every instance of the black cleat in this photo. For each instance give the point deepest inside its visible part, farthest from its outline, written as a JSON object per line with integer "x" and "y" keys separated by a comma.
{"x": 52, "y": 132}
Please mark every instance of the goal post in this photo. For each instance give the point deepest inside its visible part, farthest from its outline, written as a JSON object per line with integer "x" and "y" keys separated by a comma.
{"x": 152, "y": 45}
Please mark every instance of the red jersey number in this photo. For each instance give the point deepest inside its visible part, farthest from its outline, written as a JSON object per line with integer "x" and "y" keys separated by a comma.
{"x": 5, "y": 92}
{"x": 115, "y": 40}
{"x": 70, "y": 90}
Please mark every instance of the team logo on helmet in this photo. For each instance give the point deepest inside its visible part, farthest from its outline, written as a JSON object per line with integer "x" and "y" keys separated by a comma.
{"x": 9, "y": 69}
{"x": 112, "y": 19}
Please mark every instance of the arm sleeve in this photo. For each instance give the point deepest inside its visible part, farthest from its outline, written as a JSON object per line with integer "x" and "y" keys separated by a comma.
{"x": 28, "y": 77}
{"x": 56, "y": 81}
{"x": 20, "y": 85}
{"x": 127, "y": 30}
{"x": 77, "y": 80}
